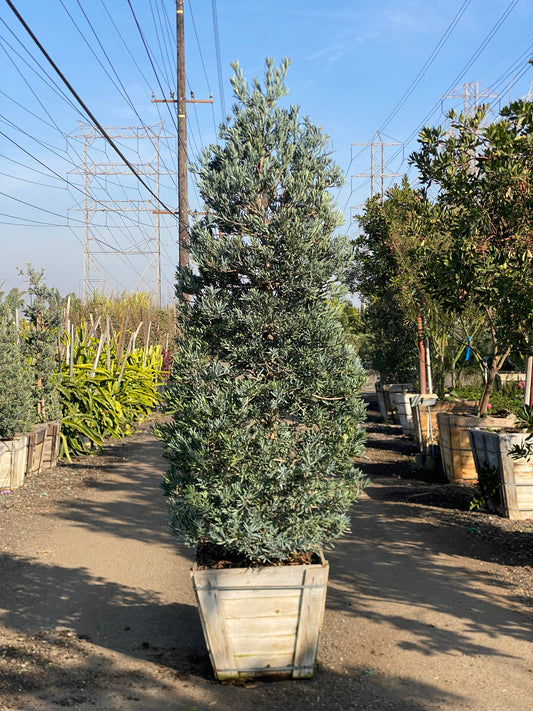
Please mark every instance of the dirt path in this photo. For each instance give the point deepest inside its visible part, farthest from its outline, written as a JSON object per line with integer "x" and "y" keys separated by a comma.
{"x": 428, "y": 607}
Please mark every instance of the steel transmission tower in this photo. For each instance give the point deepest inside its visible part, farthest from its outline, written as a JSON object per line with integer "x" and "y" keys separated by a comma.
{"x": 377, "y": 172}
{"x": 471, "y": 94}
{"x": 137, "y": 241}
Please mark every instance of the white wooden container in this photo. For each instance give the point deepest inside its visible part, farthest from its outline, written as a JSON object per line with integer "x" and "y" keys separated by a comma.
{"x": 262, "y": 621}
{"x": 13, "y": 457}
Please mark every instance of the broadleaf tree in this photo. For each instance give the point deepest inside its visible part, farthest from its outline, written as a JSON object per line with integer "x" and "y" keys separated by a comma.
{"x": 482, "y": 175}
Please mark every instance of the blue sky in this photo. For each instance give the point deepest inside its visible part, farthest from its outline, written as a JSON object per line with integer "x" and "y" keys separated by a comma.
{"x": 357, "y": 68}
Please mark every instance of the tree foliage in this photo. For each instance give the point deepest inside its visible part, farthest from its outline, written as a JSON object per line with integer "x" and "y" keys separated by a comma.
{"x": 482, "y": 175}
{"x": 264, "y": 385}
{"x": 16, "y": 411}
{"x": 40, "y": 343}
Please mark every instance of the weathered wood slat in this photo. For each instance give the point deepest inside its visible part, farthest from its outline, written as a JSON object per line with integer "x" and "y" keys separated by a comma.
{"x": 36, "y": 440}
{"x": 214, "y": 628}
{"x": 241, "y": 627}
{"x": 264, "y": 606}
{"x": 250, "y": 577}
{"x": 251, "y": 664}
{"x": 267, "y": 646}
{"x": 311, "y": 616}
{"x": 51, "y": 444}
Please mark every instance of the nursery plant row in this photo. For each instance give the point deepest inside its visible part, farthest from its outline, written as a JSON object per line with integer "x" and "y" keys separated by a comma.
{"x": 65, "y": 388}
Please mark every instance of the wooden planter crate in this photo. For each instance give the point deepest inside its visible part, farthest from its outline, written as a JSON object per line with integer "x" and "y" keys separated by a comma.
{"x": 386, "y": 399}
{"x": 457, "y": 458}
{"x": 13, "y": 457}
{"x": 51, "y": 444}
{"x": 36, "y": 440}
{"x": 424, "y": 416}
{"x": 405, "y": 413}
{"x": 492, "y": 449}
{"x": 262, "y": 621}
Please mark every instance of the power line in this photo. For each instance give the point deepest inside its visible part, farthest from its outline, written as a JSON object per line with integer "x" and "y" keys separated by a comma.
{"x": 150, "y": 58}
{"x": 120, "y": 86}
{"x": 429, "y": 61}
{"x": 82, "y": 104}
{"x": 219, "y": 61}
{"x": 462, "y": 72}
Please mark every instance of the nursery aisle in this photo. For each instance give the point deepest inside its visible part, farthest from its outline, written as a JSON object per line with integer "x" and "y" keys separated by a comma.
{"x": 429, "y": 607}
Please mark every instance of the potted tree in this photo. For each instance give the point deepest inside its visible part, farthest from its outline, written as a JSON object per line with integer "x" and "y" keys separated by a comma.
{"x": 482, "y": 176}
{"x": 16, "y": 411}
{"x": 263, "y": 392}
{"x": 43, "y": 316}
{"x": 482, "y": 262}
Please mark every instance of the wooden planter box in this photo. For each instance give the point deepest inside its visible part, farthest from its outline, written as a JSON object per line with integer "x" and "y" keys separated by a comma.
{"x": 264, "y": 621}
{"x": 51, "y": 444}
{"x": 491, "y": 449}
{"x": 36, "y": 440}
{"x": 405, "y": 413}
{"x": 457, "y": 458}
{"x": 425, "y": 418}
{"x": 386, "y": 399}
{"x": 13, "y": 457}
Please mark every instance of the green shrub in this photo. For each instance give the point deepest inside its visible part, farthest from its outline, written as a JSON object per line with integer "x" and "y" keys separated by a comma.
{"x": 40, "y": 342}
{"x": 264, "y": 385}
{"x": 16, "y": 407}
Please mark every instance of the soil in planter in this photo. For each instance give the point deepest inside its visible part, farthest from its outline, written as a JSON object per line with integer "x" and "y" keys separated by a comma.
{"x": 210, "y": 555}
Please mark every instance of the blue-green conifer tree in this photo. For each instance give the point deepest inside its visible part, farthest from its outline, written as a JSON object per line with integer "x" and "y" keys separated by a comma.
{"x": 264, "y": 389}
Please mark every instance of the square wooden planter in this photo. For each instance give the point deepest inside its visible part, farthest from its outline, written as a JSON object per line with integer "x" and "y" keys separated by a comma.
{"x": 386, "y": 394}
{"x": 13, "y": 457}
{"x": 425, "y": 416}
{"x": 457, "y": 458}
{"x": 263, "y": 621}
{"x": 491, "y": 449}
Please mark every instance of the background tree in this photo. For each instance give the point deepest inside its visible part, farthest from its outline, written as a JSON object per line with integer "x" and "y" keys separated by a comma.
{"x": 40, "y": 343}
{"x": 16, "y": 410}
{"x": 264, "y": 385}
{"x": 390, "y": 251}
{"x": 482, "y": 175}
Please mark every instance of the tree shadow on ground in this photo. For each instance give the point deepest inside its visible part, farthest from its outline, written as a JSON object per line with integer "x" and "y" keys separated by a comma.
{"x": 37, "y": 597}
{"x": 126, "y": 498}
{"x": 57, "y": 621}
{"x": 429, "y": 563}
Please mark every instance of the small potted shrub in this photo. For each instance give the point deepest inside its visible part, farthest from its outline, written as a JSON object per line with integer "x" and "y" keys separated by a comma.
{"x": 264, "y": 388}
{"x": 43, "y": 316}
{"x": 16, "y": 410}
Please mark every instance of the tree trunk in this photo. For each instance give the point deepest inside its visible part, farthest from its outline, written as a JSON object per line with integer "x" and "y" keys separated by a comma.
{"x": 422, "y": 355}
{"x": 492, "y": 372}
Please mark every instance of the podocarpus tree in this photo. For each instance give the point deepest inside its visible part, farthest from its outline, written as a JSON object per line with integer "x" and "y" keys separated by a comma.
{"x": 264, "y": 385}
{"x": 483, "y": 176}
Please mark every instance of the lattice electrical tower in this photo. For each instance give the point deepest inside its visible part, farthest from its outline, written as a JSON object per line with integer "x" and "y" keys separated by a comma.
{"x": 134, "y": 239}
{"x": 377, "y": 172}
{"x": 472, "y": 95}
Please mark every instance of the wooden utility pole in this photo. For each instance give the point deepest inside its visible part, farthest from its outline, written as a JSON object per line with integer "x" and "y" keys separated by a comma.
{"x": 183, "y": 202}
{"x": 181, "y": 104}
